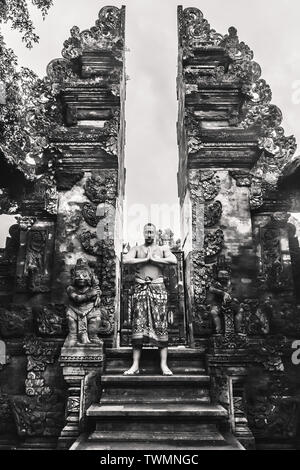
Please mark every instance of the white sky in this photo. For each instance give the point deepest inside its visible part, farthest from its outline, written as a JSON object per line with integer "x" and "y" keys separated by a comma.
{"x": 269, "y": 27}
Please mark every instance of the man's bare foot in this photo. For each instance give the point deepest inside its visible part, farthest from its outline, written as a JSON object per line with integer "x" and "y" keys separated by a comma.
{"x": 165, "y": 370}
{"x": 134, "y": 370}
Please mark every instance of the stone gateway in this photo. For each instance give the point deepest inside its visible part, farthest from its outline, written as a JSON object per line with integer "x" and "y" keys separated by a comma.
{"x": 224, "y": 310}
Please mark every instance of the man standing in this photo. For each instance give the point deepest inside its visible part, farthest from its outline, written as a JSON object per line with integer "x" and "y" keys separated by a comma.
{"x": 149, "y": 301}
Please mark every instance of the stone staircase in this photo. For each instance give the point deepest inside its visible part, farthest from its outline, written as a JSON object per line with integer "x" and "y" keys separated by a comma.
{"x": 151, "y": 411}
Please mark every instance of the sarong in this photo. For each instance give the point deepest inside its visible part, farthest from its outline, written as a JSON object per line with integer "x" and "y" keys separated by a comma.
{"x": 149, "y": 313}
{"x": 82, "y": 314}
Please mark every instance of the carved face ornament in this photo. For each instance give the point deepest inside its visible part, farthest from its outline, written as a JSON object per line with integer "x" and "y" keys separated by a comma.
{"x": 82, "y": 278}
{"x": 82, "y": 274}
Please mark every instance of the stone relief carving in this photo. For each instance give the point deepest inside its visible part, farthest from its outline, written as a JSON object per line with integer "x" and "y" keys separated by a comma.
{"x": 106, "y": 34}
{"x": 60, "y": 70}
{"x": 46, "y": 191}
{"x": 271, "y": 409}
{"x": 256, "y": 316}
{"x": 16, "y": 321}
{"x": 242, "y": 178}
{"x": 213, "y": 243}
{"x": 195, "y": 30}
{"x": 204, "y": 188}
{"x": 204, "y": 184}
{"x": 83, "y": 313}
{"x": 106, "y": 272}
{"x": 39, "y": 355}
{"x": 38, "y": 416}
{"x": 257, "y": 110}
{"x": 212, "y": 213}
{"x": 89, "y": 213}
{"x": 51, "y": 320}
{"x": 102, "y": 188}
{"x": 35, "y": 260}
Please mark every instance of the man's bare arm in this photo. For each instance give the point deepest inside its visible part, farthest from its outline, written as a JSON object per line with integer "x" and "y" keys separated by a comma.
{"x": 131, "y": 257}
{"x": 168, "y": 257}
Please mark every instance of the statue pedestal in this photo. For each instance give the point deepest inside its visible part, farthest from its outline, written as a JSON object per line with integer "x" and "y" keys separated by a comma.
{"x": 228, "y": 370}
{"x": 82, "y": 369}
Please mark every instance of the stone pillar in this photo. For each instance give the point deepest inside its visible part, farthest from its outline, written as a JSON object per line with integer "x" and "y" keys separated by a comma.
{"x": 82, "y": 368}
{"x": 228, "y": 372}
{"x": 89, "y": 145}
{"x": 237, "y": 179}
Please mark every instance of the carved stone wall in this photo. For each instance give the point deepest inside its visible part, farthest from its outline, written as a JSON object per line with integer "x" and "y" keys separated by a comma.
{"x": 237, "y": 186}
{"x": 68, "y": 206}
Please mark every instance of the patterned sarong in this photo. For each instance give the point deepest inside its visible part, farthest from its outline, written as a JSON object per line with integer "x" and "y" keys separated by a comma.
{"x": 149, "y": 313}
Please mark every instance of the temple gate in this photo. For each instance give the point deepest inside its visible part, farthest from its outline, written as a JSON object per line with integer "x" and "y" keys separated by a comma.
{"x": 233, "y": 303}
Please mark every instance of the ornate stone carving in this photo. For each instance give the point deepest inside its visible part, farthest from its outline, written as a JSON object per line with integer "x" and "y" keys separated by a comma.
{"x": 39, "y": 355}
{"x": 81, "y": 369}
{"x": 38, "y": 416}
{"x": 90, "y": 242}
{"x": 271, "y": 410}
{"x": 230, "y": 340}
{"x": 106, "y": 34}
{"x": 35, "y": 260}
{"x": 60, "y": 70}
{"x": 46, "y": 190}
{"x": 102, "y": 188}
{"x": 51, "y": 320}
{"x": 194, "y": 144}
{"x": 111, "y": 130}
{"x": 16, "y": 321}
{"x": 242, "y": 178}
{"x": 212, "y": 213}
{"x": 204, "y": 184}
{"x": 256, "y": 193}
{"x": 83, "y": 312}
{"x": 106, "y": 272}
{"x": 89, "y": 212}
{"x": 226, "y": 312}
{"x": 236, "y": 50}
{"x": 213, "y": 243}
{"x": 272, "y": 258}
{"x": 204, "y": 187}
{"x": 196, "y": 31}
{"x": 256, "y": 316}
{"x": 202, "y": 276}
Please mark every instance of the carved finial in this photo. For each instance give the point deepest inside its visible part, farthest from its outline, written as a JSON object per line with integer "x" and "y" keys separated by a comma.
{"x": 108, "y": 33}
{"x": 196, "y": 30}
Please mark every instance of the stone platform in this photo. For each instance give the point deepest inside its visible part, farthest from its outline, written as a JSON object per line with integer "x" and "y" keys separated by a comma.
{"x": 151, "y": 411}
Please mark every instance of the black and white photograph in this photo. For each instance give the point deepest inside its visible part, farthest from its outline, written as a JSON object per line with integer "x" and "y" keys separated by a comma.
{"x": 149, "y": 230}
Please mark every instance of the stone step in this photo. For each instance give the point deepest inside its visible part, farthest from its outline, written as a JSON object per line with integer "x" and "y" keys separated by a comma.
{"x": 147, "y": 424}
{"x": 157, "y": 436}
{"x": 180, "y": 360}
{"x": 229, "y": 443}
{"x": 204, "y": 411}
{"x": 120, "y": 389}
{"x": 155, "y": 380}
{"x": 149, "y": 397}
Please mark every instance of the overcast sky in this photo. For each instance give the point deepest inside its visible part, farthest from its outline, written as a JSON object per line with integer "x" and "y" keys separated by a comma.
{"x": 269, "y": 27}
